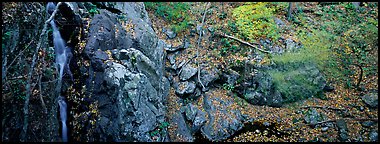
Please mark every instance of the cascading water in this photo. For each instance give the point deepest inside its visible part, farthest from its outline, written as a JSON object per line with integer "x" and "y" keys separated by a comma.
{"x": 61, "y": 59}
{"x": 62, "y": 110}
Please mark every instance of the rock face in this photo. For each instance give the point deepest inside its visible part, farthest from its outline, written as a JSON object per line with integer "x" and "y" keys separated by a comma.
{"x": 131, "y": 93}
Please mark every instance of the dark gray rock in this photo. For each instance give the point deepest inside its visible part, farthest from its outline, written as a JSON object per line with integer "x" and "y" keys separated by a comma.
{"x": 183, "y": 129}
{"x": 187, "y": 72}
{"x": 373, "y": 136}
{"x": 223, "y": 121}
{"x": 343, "y": 131}
{"x": 199, "y": 121}
{"x": 371, "y": 99}
{"x": 184, "y": 88}
{"x": 169, "y": 33}
{"x": 368, "y": 124}
{"x": 263, "y": 92}
{"x": 208, "y": 77}
{"x": 171, "y": 58}
{"x": 231, "y": 76}
{"x": 122, "y": 55}
{"x": 130, "y": 96}
{"x": 312, "y": 117}
{"x": 190, "y": 111}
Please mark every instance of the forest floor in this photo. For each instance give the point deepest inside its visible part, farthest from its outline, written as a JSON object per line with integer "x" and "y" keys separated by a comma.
{"x": 342, "y": 103}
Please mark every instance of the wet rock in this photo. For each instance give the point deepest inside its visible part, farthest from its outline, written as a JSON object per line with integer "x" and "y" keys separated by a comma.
{"x": 373, "y": 136}
{"x": 371, "y": 99}
{"x": 184, "y": 87}
{"x": 187, "y": 72}
{"x": 324, "y": 129}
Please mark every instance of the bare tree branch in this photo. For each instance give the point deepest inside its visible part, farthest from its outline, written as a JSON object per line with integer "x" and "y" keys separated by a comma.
{"x": 323, "y": 107}
{"x": 23, "y": 135}
{"x": 356, "y": 119}
{"x": 244, "y": 42}
{"x": 199, "y": 43}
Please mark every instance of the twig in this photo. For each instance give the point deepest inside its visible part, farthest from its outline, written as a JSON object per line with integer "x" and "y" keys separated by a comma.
{"x": 356, "y": 119}
{"x": 18, "y": 55}
{"x": 40, "y": 90}
{"x": 199, "y": 42}
{"x": 323, "y": 107}
{"x": 244, "y": 42}
{"x": 23, "y": 134}
{"x": 186, "y": 64}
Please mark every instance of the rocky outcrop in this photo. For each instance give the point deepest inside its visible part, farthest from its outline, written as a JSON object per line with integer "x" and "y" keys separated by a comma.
{"x": 130, "y": 91}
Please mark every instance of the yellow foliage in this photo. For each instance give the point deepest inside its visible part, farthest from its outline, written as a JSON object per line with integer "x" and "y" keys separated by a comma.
{"x": 255, "y": 20}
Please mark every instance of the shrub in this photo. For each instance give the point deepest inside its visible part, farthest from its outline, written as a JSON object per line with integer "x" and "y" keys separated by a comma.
{"x": 176, "y": 13}
{"x": 255, "y": 20}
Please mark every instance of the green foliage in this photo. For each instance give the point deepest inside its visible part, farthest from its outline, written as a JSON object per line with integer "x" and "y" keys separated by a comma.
{"x": 293, "y": 84}
{"x": 93, "y": 10}
{"x": 355, "y": 39}
{"x": 255, "y": 21}
{"x": 177, "y": 13}
{"x": 316, "y": 48}
{"x": 160, "y": 129}
{"x": 229, "y": 87}
{"x": 223, "y": 15}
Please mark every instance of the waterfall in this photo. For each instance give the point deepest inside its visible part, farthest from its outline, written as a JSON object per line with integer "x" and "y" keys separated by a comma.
{"x": 63, "y": 113}
{"x": 61, "y": 59}
{"x": 59, "y": 48}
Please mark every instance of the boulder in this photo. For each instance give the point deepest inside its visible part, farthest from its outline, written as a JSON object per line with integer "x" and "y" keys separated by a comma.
{"x": 262, "y": 91}
{"x": 187, "y": 72}
{"x": 183, "y": 88}
{"x": 371, "y": 99}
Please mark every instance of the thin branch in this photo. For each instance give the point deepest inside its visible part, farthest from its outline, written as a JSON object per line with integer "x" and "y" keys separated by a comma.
{"x": 40, "y": 91}
{"x": 199, "y": 43}
{"x": 23, "y": 134}
{"x": 186, "y": 64}
{"x": 356, "y": 119}
{"x": 18, "y": 55}
{"x": 323, "y": 107}
{"x": 244, "y": 42}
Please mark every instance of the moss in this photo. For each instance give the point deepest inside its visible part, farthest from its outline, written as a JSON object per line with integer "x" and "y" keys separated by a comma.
{"x": 255, "y": 20}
